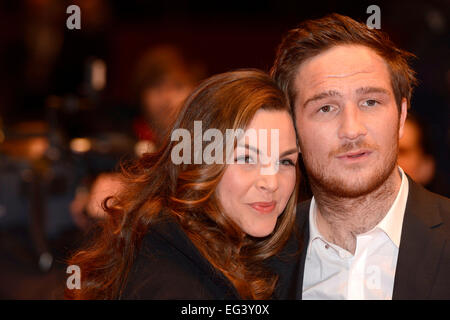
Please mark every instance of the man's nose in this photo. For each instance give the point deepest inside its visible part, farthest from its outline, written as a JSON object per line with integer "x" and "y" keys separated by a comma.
{"x": 352, "y": 124}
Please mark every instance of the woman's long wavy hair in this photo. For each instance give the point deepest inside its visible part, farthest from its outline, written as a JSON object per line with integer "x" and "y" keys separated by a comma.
{"x": 186, "y": 192}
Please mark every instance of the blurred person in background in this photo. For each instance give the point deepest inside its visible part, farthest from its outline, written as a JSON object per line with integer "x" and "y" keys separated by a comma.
{"x": 416, "y": 155}
{"x": 163, "y": 79}
{"x": 86, "y": 207}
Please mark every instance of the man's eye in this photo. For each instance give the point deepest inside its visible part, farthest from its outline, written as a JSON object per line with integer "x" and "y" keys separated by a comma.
{"x": 370, "y": 103}
{"x": 326, "y": 109}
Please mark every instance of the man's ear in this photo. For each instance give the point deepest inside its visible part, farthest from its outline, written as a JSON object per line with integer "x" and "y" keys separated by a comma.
{"x": 403, "y": 114}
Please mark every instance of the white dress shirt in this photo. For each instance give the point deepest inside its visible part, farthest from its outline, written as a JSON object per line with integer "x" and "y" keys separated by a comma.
{"x": 334, "y": 273}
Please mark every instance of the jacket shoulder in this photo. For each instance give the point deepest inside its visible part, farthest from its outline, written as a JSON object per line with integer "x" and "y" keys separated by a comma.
{"x": 168, "y": 267}
{"x": 432, "y": 208}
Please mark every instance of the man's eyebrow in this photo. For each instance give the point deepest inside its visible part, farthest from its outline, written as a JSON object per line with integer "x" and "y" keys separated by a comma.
{"x": 322, "y": 95}
{"x": 366, "y": 90}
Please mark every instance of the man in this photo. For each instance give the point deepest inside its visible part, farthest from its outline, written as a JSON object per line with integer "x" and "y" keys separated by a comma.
{"x": 369, "y": 232}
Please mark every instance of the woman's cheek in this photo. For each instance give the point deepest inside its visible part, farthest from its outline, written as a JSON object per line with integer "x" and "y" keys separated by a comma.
{"x": 289, "y": 177}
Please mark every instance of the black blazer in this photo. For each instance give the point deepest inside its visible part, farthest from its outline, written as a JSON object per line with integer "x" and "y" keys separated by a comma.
{"x": 423, "y": 265}
{"x": 169, "y": 266}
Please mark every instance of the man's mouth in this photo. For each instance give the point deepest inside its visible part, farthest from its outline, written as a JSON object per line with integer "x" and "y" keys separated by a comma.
{"x": 354, "y": 155}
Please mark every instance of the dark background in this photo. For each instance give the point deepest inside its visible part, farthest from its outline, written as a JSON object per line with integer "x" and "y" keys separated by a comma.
{"x": 41, "y": 59}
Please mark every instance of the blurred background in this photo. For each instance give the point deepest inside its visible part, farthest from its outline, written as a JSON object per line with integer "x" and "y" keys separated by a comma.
{"x": 73, "y": 103}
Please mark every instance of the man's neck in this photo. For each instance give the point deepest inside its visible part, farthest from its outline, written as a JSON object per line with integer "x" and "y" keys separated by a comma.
{"x": 340, "y": 220}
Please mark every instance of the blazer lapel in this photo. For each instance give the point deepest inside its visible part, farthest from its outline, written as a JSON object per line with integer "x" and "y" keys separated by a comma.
{"x": 420, "y": 246}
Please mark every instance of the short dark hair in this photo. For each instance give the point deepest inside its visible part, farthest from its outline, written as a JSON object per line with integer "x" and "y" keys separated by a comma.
{"x": 312, "y": 37}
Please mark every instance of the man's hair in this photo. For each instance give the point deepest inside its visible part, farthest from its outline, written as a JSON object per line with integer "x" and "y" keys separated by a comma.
{"x": 313, "y": 37}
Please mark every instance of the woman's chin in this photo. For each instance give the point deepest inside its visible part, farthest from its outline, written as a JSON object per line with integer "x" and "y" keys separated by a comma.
{"x": 261, "y": 232}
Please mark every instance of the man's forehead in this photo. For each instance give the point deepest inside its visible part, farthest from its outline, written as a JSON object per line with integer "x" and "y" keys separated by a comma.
{"x": 342, "y": 61}
{"x": 341, "y": 66}
{"x": 320, "y": 81}
{"x": 348, "y": 74}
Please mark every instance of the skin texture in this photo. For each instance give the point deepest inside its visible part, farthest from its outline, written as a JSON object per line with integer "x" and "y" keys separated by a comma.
{"x": 345, "y": 107}
{"x": 243, "y": 184}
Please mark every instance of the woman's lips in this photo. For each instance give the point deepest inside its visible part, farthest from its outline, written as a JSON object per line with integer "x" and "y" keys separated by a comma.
{"x": 263, "y": 207}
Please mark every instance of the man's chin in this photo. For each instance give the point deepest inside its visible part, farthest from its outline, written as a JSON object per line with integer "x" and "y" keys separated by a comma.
{"x": 348, "y": 186}
{"x": 346, "y": 189}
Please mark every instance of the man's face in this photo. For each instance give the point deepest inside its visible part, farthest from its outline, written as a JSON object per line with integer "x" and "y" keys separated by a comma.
{"x": 347, "y": 119}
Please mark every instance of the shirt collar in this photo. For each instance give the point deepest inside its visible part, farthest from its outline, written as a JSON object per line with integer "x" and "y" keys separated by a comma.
{"x": 313, "y": 230}
{"x": 391, "y": 224}
{"x": 393, "y": 221}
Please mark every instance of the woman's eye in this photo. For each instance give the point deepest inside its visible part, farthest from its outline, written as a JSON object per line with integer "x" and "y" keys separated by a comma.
{"x": 287, "y": 162}
{"x": 370, "y": 103}
{"x": 244, "y": 159}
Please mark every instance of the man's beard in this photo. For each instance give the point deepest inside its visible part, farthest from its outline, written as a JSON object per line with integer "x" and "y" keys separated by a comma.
{"x": 324, "y": 179}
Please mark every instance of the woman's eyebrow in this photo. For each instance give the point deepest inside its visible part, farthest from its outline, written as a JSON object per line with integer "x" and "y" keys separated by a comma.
{"x": 285, "y": 153}
{"x": 249, "y": 147}
{"x": 288, "y": 152}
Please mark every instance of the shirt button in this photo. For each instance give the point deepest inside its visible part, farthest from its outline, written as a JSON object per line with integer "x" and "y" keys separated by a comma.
{"x": 327, "y": 246}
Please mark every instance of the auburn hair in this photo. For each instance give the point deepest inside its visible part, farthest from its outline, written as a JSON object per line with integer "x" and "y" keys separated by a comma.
{"x": 155, "y": 187}
{"x": 313, "y": 37}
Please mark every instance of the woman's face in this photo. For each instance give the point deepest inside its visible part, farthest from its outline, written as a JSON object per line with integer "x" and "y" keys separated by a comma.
{"x": 256, "y": 187}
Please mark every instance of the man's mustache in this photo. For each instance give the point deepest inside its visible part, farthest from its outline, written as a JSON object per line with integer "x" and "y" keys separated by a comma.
{"x": 353, "y": 146}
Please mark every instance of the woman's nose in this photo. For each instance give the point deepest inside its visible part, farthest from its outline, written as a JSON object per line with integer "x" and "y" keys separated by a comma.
{"x": 268, "y": 180}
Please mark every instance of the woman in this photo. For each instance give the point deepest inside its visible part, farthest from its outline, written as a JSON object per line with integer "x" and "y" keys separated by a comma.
{"x": 202, "y": 229}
